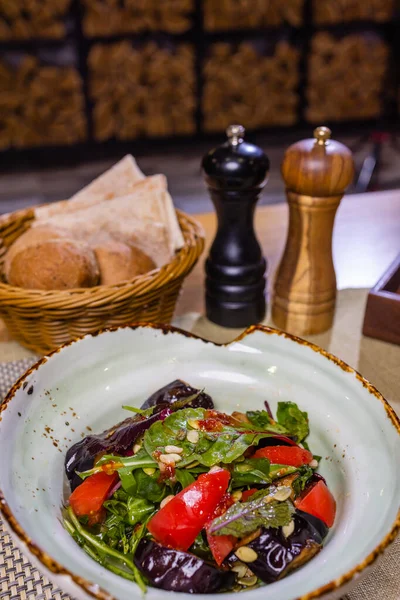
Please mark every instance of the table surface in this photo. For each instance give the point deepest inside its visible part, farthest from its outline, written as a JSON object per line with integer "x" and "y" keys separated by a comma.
{"x": 366, "y": 240}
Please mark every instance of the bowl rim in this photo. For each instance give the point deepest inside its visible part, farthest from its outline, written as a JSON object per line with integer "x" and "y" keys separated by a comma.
{"x": 95, "y": 590}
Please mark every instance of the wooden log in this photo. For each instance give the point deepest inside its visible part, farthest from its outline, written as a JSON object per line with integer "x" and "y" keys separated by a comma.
{"x": 231, "y": 14}
{"x": 32, "y": 19}
{"x": 343, "y": 82}
{"x": 331, "y": 12}
{"x": 104, "y": 18}
{"x": 255, "y": 98}
{"x": 40, "y": 105}
{"x": 146, "y": 91}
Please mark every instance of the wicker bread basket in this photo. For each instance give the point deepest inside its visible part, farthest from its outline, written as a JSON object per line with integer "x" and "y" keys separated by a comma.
{"x": 42, "y": 320}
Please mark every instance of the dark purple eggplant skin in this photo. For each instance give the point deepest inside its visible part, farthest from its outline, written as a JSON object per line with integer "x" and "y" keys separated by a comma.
{"x": 178, "y": 390}
{"x": 275, "y": 552}
{"x": 121, "y": 437}
{"x": 176, "y": 571}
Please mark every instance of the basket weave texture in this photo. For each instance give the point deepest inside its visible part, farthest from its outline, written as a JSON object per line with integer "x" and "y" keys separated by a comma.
{"x": 42, "y": 320}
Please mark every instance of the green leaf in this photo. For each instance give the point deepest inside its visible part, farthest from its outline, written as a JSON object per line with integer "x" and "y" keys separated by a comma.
{"x": 140, "y": 411}
{"x": 261, "y": 510}
{"x": 201, "y": 549}
{"x": 138, "y": 461}
{"x": 213, "y": 447}
{"x": 138, "y": 483}
{"x": 138, "y": 510}
{"x": 254, "y": 471}
{"x": 184, "y": 477}
{"x": 278, "y": 471}
{"x": 293, "y": 419}
{"x": 300, "y": 483}
{"x": 262, "y": 420}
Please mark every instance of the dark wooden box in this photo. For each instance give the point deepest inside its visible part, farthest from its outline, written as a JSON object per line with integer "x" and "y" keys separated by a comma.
{"x": 382, "y": 315}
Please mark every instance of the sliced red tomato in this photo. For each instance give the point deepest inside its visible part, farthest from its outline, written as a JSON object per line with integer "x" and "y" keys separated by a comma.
{"x": 180, "y": 521}
{"x": 318, "y": 501}
{"x": 285, "y": 455}
{"x": 88, "y": 498}
{"x": 221, "y": 546}
{"x": 248, "y": 493}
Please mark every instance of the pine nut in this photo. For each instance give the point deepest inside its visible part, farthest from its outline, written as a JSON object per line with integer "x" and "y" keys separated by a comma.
{"x": 173, "y": 450}
{"x": 240, "y": 568}
{"x": 246, "y": 554}
{"x": 194, "y": 424}
{"x": 149, "y": 471}
{"x": 248, "y": 581}
{"x": 314, "y": 464}
{"x": 192, "y": 436}
{"x": 288, "y": 529}
{"x": 282, "y": 494}
{"x": 170, "y": 459}
{"x": 136, "y": 448}
{"x": 166, "y": 500}
{"x": 215, "y": 469}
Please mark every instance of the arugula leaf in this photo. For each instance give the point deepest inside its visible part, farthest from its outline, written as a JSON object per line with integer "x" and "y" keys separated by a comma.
{"x": 304, "y": 476}
{"x": 168, "y": 432}
{"x": 261, "y": 510}
{"x": 140, "y": 411}
{"x": 251, "y": 472}
{"x": 138, "y": 509}
{"x": 293, "y": 419}
{"x": 262, "y": 420}
{"x": 278, "y": 471}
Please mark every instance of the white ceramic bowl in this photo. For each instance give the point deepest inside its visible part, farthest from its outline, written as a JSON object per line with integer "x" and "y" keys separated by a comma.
{"x": 84, "y": 384}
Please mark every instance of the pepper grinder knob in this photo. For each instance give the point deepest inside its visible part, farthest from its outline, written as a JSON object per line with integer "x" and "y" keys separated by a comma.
{"x": 235, "y": 174}
{"x": 316, "y": 172}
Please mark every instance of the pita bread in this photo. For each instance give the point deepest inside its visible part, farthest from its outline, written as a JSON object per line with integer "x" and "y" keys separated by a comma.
{"x": 117, "y": 181}
{"x": 172, "y": 222}
{"x": 137, "y": 219}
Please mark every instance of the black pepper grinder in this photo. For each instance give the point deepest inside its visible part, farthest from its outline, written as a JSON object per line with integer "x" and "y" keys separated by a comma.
{"x": 235, "y": 173}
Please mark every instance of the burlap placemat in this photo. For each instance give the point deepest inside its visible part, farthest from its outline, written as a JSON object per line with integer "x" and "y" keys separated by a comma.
{"x": 377, "y": 361}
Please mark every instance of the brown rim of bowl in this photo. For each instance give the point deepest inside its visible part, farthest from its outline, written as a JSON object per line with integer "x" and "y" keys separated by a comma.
{"x": 93, "y": 589}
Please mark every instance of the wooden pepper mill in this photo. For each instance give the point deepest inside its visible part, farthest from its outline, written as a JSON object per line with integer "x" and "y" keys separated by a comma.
{"x": 316, "y": 173}
{"x": 235, "y": 174}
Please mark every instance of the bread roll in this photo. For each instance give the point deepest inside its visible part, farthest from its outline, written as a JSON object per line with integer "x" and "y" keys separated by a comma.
{"x": 119, "y": 262}
{"x": 41, "y": 233}
{"x": 58, "y": 264}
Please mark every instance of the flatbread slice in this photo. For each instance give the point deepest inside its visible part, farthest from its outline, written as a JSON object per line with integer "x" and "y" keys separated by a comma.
{"x": 172, "y": 222}
{"x": 117, "y": 181}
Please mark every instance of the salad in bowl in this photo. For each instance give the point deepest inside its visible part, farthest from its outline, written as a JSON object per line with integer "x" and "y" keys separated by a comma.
{"x": 186, "y": 498}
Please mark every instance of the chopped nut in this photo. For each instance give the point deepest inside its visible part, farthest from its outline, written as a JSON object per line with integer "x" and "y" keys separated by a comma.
{"x": 166, "y": 500}
{"x": 288, "y": 529}
{"x": 246, "y": 554}
{"x": 194, "y": 424}
{"x": 240, "y": 568}
{"x": 215, "y": 469}
{"x": 192, "y": 436}
{"x": 170, "y": 459}
{"x": 173, "y": 450}
{"x": 236, "y": 496}
{"x": 136, "y": 448}
{"x": 149, "y": 471}
{"x": 314, "y": 464}
{"x": 282, "y": 494}
{"x": 248, "y": 581}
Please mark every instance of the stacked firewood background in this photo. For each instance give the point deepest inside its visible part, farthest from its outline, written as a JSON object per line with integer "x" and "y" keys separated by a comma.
{"x": 242, "y": 14}
{"x": 148, "y": 91}
{"x": 327, "y": 12}
{"x": 241, "y": 85}
{"x": 343, "y": 82}
{"x": 105, "y": 72}
{"x": 40, "y": 104}
{"x": 109, "y": 17}
{"x": 32, "y": 19}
